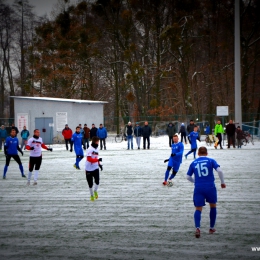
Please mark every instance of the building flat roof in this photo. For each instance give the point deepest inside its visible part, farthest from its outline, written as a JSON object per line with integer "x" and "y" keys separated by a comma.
{"x": 80, "y": 101}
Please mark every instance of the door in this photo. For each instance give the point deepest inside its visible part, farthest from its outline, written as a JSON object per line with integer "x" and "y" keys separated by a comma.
{"x": 44, "y": 124}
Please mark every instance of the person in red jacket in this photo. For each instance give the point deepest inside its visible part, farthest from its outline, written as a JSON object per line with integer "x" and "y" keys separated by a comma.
{"x": 67, "y": 133}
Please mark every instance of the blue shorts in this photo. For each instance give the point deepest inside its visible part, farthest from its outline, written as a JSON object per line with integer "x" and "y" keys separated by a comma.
{"x": 78, "y": 151}
{"x": 202, "y": 194}
{"x": 175, "y": 165}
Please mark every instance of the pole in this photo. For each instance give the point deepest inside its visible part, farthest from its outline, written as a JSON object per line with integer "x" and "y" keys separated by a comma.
{"x": 238, "y": 109}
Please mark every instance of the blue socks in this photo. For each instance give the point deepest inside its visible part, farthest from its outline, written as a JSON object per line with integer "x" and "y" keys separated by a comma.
{"x": 77, "y": 161}
{"x": 166, "y": 175}
{"x": 197, "y": 217}
{"x": 172, "y": 176}
{"x": 21, "y": 168}
{"x": 212, "y": 216}
{"x": 5, "y": 170}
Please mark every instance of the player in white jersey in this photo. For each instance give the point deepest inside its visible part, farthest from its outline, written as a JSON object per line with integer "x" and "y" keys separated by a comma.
{"x": 35, "y": 145}
{"x": 92, "y": 166}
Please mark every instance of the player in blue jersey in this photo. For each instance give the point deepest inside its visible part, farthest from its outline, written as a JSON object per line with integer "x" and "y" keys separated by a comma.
{"x": 193, "y": 137}
{"x": 77, "y": 141}
{"x": 174, "y": 161}
{"x": 204, "y": 187}
{"x": 11, "y": 148}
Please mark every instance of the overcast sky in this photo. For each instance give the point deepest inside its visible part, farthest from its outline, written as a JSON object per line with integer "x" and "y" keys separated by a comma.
{"x": 42, "y": 7}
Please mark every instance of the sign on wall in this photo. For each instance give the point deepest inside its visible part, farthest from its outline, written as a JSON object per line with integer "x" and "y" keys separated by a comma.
{"x": 222, "y": 110}
{"x": 22, "y": 120}
{"x": 61, "y": 120}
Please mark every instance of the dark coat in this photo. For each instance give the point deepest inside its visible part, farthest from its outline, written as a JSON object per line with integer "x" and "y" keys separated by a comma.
{"x": 171, "y": 129}
{"x": 190, "y": 128}
{"x": 138, "y": 131}
{"x": 129, "y": 130}
{"x": 230, "y": 129}
{"x": 93, "y": 132}
{"x": 147, "y": 131}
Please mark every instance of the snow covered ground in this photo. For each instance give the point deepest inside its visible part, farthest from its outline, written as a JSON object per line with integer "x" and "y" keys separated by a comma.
{"x": 135, "y": 217}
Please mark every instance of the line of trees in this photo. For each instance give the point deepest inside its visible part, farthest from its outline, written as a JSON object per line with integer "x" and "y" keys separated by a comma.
{"x": 144, "y": 57}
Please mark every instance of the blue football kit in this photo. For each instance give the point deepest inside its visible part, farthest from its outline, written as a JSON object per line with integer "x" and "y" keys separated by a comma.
{"x": 77, "y": 140}
{"x": 175, "y": 160}
{"x": 11, "y": 148}
{"x": 205, "y": 189}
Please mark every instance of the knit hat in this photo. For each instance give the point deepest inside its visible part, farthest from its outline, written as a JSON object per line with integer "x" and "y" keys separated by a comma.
{"x": 182, "y": 123}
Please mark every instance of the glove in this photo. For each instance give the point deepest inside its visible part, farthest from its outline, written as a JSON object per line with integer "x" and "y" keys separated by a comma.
{"x": 32, "y": 148}
{"x": 100, "y": 159}
{"x": 173, "y": 154}
{"x": 167, "y": 160}
{"x": 101, "y": 167}
{"x": 49, "y": 149}
{"x": 223, "y": 185}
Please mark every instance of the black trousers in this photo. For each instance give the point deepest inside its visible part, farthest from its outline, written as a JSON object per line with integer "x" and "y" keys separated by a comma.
{"x": 16, "y": 158}
{"x": 231, "y": 140}
{"x": 148, "y": 142}
{"x": 35, "y": 161}
{"x": 219, "y": 136}
{"x": 90, "y": 175}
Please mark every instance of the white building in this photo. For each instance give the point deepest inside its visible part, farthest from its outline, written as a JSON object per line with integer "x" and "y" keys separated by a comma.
{"x": 50, "y": 115}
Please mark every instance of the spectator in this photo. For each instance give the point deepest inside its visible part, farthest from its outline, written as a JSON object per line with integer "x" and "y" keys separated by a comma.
{"x": 102, "y": 134}
{"x": 138, "y": 134}
{"x": 240, "y": 137}
{"x": 207, "y": 130}
{"x": 230, "y": 131}
{"x": 86, "y": 136}
{"x": 129, "y": 135}
{"x": 93, "y": 131}
{"x": 182, "y": 131}
{"x": 24, "y": 134}
{"x": 147, "y": 131}
{"x": 190, "y": 127}
{"x": 15, "y": 128}
{"x": 3, "y": 136}
{"x": 171, "y": 130}
{"x": 67, "y": 134}
{"x": 218, "y": 133}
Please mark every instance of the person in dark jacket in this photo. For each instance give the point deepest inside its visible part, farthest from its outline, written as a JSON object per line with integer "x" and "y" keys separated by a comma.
{"x": 240, "y": 137}
{"x": 3, "y": 136}
{"x": 230, "y": 131}
{"x": 171, "y": 131}
{"x": 138, "y": 134}
{"x": 93, "y": 131}
{"x": 182, "y": 131}
{"x": 102, "y": 134}
{"x": 147, "y": 131}
{"x": 24, "y": 134}
{"x": 86, "y": 136}
{"x": 190, "y": 127}
{"x": 67, "y": 134}
{"x": 15, "y": 128}
{"x": 129, "y": 135}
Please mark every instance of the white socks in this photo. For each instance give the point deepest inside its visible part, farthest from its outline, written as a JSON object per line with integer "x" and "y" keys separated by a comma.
{"x": 36, "y": 173}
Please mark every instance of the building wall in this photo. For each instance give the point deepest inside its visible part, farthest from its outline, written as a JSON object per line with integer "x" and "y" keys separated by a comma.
{"x": 77, "y": 113}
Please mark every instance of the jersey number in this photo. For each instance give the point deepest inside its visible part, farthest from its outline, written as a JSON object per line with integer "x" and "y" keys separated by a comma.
{"x": 202, "y": 169}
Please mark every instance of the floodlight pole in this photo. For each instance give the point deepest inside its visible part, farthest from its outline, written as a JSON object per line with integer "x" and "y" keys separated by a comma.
{"x": 238, "y": 107}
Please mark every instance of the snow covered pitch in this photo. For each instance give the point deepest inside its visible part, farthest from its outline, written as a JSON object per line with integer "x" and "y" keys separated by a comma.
{"x": 135, "y": 216}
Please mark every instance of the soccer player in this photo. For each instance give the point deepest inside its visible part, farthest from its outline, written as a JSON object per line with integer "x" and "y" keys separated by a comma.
{"x": 193, "y": 137}
{"x": 174, "y": 161}
{"x": 92, "y": 166}
{"x": 11, "y": 148}
{"x": 205, "y": 189}
{"x": 35, "y": 145}
{"x": 77, "y": 141}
